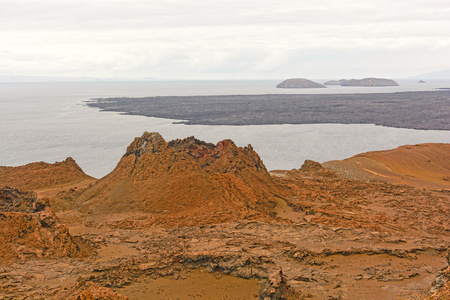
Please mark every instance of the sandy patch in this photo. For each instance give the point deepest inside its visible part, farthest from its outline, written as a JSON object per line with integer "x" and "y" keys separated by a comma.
{"x": 196, "y": 285}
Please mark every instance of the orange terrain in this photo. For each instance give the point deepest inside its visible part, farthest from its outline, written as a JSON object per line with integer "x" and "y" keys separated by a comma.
{"x": 189, "y": 220}
{"x": 423, "y": 165}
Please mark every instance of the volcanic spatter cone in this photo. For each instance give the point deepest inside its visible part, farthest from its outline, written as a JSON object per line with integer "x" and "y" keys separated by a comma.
{"x": 185, "y": 182}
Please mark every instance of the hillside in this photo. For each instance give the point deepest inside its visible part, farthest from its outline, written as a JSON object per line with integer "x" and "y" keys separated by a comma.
{"x": 423, "y": 165}
{"x": 44, "y": 178}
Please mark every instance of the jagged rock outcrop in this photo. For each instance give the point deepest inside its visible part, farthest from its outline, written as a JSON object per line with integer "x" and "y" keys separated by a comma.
{"x": 441, "y": 286}
{"x": 15, "y": 200}
{"x": 185, "y": 182}
{"x": 310, "y": 165}
{"x": 40, "y": 175}
{"x": 299, "y": 83}
{"x": 314, "y": 169}
{"x": 440, "y": 289}
{"x": 368, "y": 82}
{"x": 276, "y": 287}
{"x": 30, "y": 229}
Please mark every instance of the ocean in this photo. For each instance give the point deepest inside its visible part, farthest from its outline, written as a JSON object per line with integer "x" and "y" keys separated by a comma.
{"x": 50, "y": 122}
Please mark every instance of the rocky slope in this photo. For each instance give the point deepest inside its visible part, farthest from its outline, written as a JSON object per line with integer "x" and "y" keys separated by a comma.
{"x": 299, "y": 83}
{"x": 30, "y": 229}
{"x": 185, "y": 182}
{"x": 322, "y": 196}
{"x": 41, "y": 176}
{"x": 441, "y": 286}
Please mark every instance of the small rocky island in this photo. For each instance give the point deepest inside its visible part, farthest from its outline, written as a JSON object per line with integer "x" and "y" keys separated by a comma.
{"x": 333, "y": 82}
{"x": 363, "y": 82}
{"x": 299, "y": 83}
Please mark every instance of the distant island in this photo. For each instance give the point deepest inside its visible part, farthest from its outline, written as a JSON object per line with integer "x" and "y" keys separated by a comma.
{"x": 299, "y": 83}
{"x": 333, "y": 82}
{"x": 363, "y": 82}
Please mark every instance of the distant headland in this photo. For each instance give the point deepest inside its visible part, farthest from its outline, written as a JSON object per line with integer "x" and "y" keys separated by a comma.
{"x": 363, "y": 82}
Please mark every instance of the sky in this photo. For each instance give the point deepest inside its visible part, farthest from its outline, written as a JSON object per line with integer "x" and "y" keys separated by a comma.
{"x": 232, "y": 39}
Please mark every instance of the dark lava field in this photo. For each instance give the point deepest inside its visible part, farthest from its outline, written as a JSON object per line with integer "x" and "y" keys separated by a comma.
{"x": 426, "y": 110}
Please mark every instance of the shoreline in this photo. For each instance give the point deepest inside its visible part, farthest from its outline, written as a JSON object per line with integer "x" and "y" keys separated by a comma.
{"x": 424, "y": 110}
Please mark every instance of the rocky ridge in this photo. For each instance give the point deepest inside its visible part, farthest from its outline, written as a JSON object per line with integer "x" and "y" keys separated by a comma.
{"x": 41, "y": 175}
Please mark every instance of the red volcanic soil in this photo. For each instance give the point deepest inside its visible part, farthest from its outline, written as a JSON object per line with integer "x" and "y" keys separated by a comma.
{"x": 45, "y": 179}
{"x": 423, "y": 165}
{"x": 191, "y": 220}
{"x": 29, "y": 229}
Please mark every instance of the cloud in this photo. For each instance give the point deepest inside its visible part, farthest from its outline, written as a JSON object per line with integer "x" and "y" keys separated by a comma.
{"x": 232, "y": 39}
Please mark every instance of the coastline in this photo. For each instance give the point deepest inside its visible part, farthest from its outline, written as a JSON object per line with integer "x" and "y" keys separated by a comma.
{"x": 425, "y": 110}
{"x": 49, "y": 122}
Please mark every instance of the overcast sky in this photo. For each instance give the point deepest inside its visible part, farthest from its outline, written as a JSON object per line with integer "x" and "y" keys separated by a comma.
{"x": 228, "y": 39}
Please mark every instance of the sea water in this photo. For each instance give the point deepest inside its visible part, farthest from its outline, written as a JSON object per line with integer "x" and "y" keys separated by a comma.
{"x": 50, "y": 121}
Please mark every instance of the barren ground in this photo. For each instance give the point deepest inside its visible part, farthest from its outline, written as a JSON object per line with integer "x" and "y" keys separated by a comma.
{"x": 332, "y": 238}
